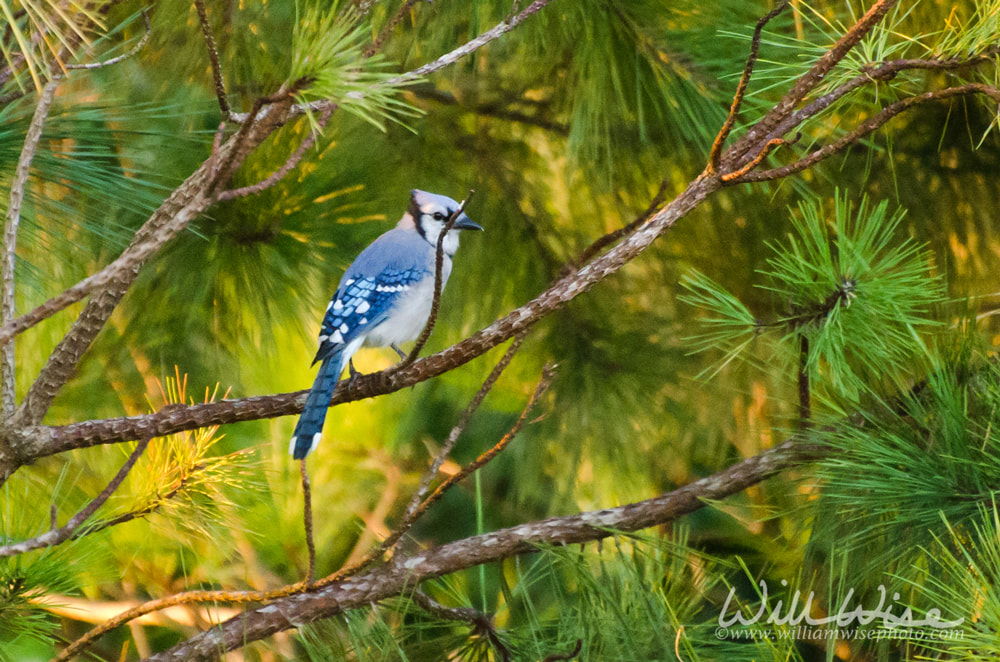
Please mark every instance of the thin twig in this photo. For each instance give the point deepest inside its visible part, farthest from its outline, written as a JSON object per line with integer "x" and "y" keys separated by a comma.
{"x": 67, "y": 531}
{"x": 555, "y": 657}
{"x": 308, "y": 521}
{"x": 438, "y": 270}
{"x": 8, "y": 372}
{"x": 435, "y": 608}
{"x": 482, "y": 624}
{"x": 741, "y": 88}
{"x": 768, "y": 147}
{"x": 805, "y": 406}
{"x": 615, "y": 235}
{"x": 485, "y": 457}
{"x": 459, "y": 428}
{"x": 287, "y": 166}
{"x": 121, "y": 58}
{"x": 389, "y": 27}
{"x": 413, "y": 509}
{"x": 213, "y": 56}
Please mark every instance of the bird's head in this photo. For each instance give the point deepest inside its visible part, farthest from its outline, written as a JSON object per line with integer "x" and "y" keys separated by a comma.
{"x": 428, "y": 213}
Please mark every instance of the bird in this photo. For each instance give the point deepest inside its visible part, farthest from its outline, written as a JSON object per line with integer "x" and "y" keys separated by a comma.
{"x": 383, "y": 299}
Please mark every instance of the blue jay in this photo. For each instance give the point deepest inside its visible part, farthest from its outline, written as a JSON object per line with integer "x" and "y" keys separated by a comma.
{"x": 383, "y": 299}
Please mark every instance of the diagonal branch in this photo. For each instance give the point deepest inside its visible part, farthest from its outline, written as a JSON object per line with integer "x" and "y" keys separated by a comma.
{"x": 8, "y": 373}
{"x": 389, "y": 26}
{"x": 806, "y": 83}
{"x": 451, "y": 57}
{"x": 68, "y": 530}
{"x": 108, "y": 286}
{"x": 402, "y": 574}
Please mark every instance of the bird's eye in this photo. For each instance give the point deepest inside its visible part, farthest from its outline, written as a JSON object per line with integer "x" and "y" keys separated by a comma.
{"x": 438, "y": 216}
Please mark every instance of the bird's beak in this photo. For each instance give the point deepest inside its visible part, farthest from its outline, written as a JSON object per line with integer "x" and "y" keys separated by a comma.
{"x": 465, "y": 223}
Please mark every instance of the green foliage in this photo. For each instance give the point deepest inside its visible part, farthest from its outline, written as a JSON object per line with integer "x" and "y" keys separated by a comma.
{"x": 24, "y": 584}
{"x": 857, "y": 299}
{"x": 328, "y": 52}
{"x": 965, "y": 574}
{"x": 906, "y": 464}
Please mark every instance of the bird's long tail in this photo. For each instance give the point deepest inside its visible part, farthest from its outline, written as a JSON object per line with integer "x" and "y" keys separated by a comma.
{"x": 309, "y": 429}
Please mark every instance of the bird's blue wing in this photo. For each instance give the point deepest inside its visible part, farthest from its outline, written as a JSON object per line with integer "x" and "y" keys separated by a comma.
{"x": 362, "y": 303}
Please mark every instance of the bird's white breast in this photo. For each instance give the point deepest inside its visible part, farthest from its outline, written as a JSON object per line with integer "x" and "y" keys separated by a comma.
{"x": 409, "y": 315}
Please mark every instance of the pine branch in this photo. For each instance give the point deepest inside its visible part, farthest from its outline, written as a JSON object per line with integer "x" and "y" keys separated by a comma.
{"x": 135, "y": 50}
{"x": 451, "y": 57}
